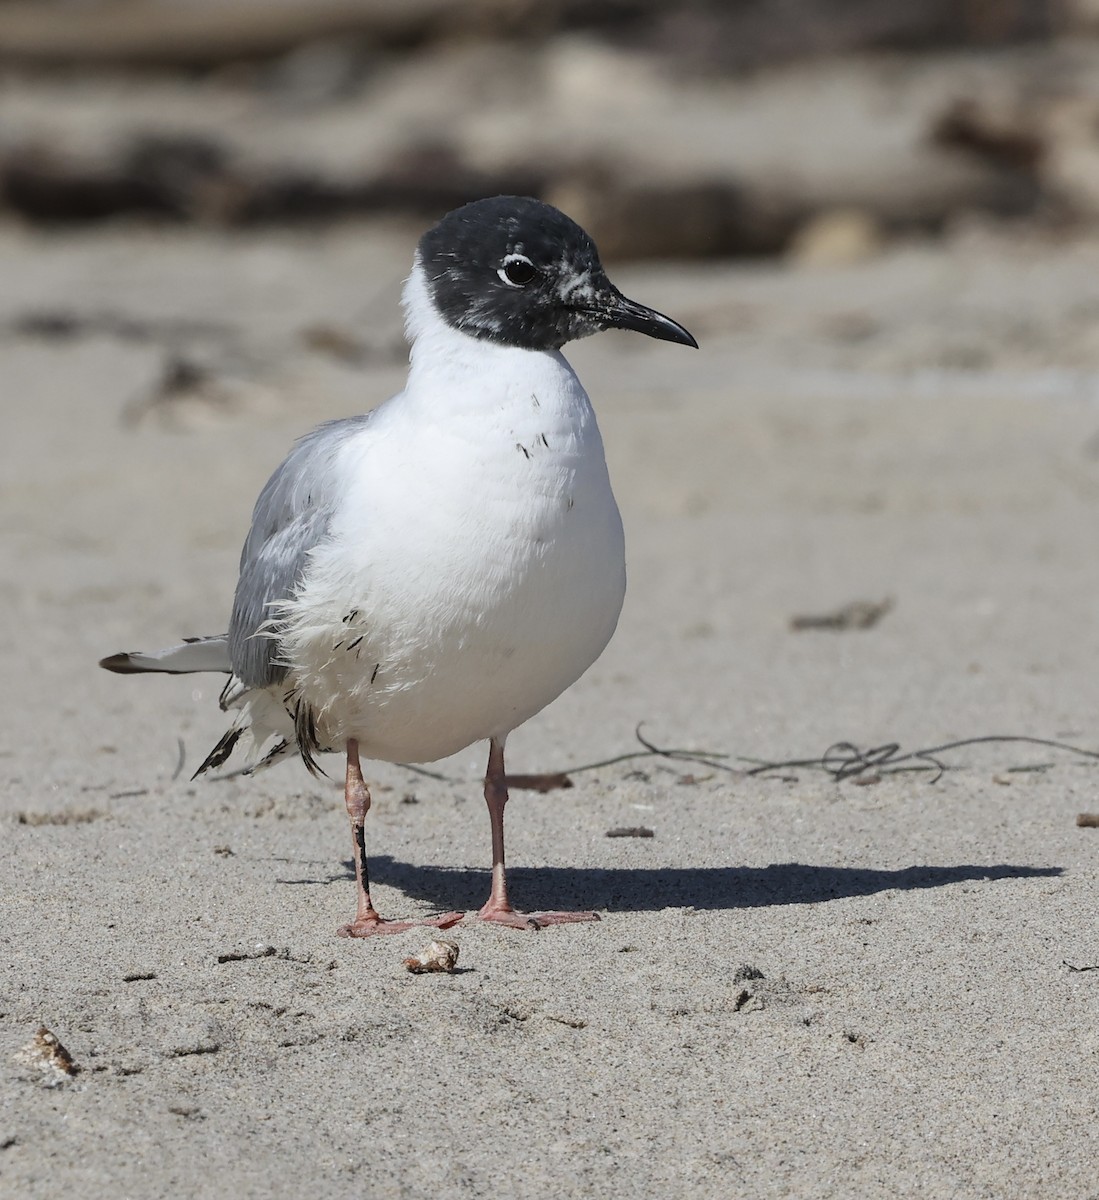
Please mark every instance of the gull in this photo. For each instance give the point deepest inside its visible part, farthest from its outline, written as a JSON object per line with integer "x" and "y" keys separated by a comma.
{"x": 435, "y": 572}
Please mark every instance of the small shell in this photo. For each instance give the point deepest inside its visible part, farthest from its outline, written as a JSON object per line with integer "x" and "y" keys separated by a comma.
{"x": 49, "y": 1062}
{"x": 439, "y": 956}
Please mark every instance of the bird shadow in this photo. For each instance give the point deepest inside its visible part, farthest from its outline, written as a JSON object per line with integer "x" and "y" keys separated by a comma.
{"x": 650, "y": 889}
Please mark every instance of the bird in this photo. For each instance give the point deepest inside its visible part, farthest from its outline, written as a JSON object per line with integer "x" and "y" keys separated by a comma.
{"x": 432, "y": 573}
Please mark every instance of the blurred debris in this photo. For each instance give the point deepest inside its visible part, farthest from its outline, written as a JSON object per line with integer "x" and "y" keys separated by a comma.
{"x": 838, "y": 237}
{"x": 1000, "y": 132}
{"x": 549, "y": 782}
{"x": 858, "y": 614}
{"x": 166, "y": 176}
{"x": 335, "y": 341}
{"x": 193, "y": 394}
{"x": 655, "y": 159}
{"x": 424, "y": 179}
{"x": 1071, "y": 162}
{"x": 184, "y": 178}
{"x": 637, "y": 217}
{"x": 849, "y": 327}
{"x": 66, "y": 816}
{"x": 1087, "y": 820}
{"x": 340, "y": 343}
{"x": 639, "y": 118}
{"x": 60, "y": 324}
{"x": 730, "y": 37}
{"x": 701, "y": 33}
{"x": 630, "y": 831}
{"x": 317, "y": 73}
{"x": 203, "y": 33}
{"x": 1040, "y": 128}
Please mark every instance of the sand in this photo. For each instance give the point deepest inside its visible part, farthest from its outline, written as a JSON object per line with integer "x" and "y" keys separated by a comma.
{"x": 800, "y": 986}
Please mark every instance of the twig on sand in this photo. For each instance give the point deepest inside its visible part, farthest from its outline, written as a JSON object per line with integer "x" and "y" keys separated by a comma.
{"x": 859, "y": 614}
{"x": 845, "y": 760}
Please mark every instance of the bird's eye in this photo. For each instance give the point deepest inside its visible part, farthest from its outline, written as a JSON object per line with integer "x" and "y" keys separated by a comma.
{"x": 517, "y": 270}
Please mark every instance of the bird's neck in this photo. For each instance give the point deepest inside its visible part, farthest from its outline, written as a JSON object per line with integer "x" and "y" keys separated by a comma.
{"x": 445, "y": 361}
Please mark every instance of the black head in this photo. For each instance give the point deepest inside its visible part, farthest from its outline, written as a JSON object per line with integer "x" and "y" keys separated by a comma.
{"x": 518, "y": 272}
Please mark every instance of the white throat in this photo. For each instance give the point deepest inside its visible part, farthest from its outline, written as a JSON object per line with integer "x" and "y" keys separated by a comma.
{"x": 441, "y": 352}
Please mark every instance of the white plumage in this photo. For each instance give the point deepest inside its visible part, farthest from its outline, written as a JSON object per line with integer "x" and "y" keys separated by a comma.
{"x": 476, "y": 563}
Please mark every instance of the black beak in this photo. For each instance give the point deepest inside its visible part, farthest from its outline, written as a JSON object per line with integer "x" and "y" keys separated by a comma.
{"x": 620, "y": 313}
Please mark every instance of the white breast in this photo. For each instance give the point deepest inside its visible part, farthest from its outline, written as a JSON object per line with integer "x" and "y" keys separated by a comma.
{"x": 475, "y": 568}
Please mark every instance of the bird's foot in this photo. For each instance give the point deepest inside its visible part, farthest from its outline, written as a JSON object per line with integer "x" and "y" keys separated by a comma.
{"x": 504, "y": 914}
{"x": 373, "y": 925}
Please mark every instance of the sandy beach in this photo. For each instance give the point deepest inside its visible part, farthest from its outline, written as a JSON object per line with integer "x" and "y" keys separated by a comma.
{"x": 800, "y": 986}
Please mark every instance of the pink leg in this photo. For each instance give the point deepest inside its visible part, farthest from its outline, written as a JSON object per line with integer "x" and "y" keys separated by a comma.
{"x": 498, "y": 909}
{"x": 367, "y": 923}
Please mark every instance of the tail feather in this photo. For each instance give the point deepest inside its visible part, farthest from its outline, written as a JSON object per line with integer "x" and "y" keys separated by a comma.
{"x": 194, "y": 654}
{"x": 220, "y": 752}
{"x": 271, "y": 731}
{"x": 263, "y": 727}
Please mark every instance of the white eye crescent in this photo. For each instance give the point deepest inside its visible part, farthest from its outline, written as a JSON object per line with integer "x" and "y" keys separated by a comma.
{"x": 517, "y": 270}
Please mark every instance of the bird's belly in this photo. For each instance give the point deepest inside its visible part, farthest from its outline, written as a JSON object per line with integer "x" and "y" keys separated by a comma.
{"x": 491, "y": 595}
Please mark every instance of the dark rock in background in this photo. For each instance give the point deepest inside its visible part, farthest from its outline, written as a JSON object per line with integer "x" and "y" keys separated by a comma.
{"x": 722, "y": 33}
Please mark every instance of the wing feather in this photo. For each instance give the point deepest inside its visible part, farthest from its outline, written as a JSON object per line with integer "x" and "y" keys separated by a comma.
{"x": 291, "y": 517}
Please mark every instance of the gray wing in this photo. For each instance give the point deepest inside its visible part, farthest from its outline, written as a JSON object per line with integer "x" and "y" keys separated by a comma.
{"x": 292, "y": 515}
